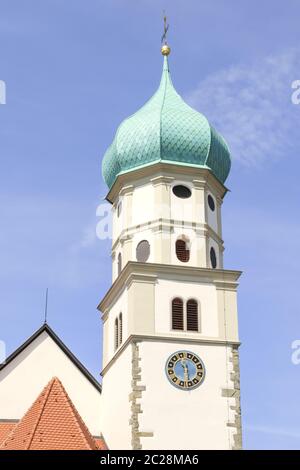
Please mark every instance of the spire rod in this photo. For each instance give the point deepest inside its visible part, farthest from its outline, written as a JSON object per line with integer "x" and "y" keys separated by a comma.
{"x": 46, "y": 306}
{"x": 165, "y": 50}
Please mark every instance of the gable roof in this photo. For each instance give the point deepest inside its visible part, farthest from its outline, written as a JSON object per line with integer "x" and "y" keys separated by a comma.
{"x": 46, "y": 328}
{"x": 51, "y": 423}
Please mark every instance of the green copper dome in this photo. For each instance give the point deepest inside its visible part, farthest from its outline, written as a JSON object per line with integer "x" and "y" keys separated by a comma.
{"x": 166, "y": 130}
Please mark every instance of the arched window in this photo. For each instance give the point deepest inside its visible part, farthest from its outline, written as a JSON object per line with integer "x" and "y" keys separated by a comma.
{"x": 192, "y": 322}
{"x": 177, "y": 314}
{"x": 119, "y": 264}
{"x": 120, "y": 329}
{"x": 143, "y": 251}
{"x": 116, "y": 334}
{"x": 182, "y": 251}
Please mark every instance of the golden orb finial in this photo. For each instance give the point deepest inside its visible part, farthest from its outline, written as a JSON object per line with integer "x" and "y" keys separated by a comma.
{"x": 165, "y": 50}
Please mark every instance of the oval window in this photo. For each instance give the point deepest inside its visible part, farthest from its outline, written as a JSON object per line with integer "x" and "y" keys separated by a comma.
{"x": 182, "y": 191}
{"x": 211, "y": 202}
{"x": 143, "y": 251}
{"x": 213, "y": 258}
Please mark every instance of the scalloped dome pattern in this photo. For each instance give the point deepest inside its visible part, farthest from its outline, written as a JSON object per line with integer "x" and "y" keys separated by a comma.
{"x": 166, "y": 129}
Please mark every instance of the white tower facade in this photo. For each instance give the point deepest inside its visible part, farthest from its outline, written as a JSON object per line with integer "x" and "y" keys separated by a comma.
{"x": 170, "y": 332}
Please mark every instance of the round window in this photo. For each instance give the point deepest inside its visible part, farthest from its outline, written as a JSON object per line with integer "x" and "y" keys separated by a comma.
{"x": 213, "y": 258}
{"x": 211, "y": 202}
{"x": 182, "y": 191}
{"x": 143, "y": 251}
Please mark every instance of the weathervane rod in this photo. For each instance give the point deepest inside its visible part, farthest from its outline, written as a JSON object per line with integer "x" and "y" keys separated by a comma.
{"x": 165, "y": 49}
{"x": 46, "y": 306}
{"x": 166, "y": 27}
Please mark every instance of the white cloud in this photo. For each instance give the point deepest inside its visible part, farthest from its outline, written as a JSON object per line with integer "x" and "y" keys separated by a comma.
{"x": 273, "y": 431}
{"x": 250, "y": 104}
{"x": 87, "y": 240}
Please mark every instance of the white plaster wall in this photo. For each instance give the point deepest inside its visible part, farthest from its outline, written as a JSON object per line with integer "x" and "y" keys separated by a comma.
{"x": 143, "y": 204}
{"x": 115, "y": 405}
{"x": 22, "y": 380}
{"x": 191, "y": 236}
{"x": 140, "y": 235}
{"x": 205, "y": 294}
{"x": 182, "y": 209}
{"x": 180, "y": 419}
{"x": 143, "y": 207}
{"x": 196, "y": 243}
{"x": 120, "y": 305}
{"x": 118, "y": 221}
{"x": 212, "y": 216}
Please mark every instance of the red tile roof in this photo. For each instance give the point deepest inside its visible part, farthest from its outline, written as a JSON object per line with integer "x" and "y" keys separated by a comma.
{"x": 100, "y": 442}
{"x": 51, "y": 423}
{"x": 5, "y": 428}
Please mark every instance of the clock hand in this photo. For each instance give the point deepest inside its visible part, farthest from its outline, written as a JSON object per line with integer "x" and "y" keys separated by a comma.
{"x": 185, "y": 369}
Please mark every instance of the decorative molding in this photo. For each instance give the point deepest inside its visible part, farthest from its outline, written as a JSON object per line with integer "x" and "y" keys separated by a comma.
{"x": 162, "y": 179}
{"x": 142, "y": 279}
{"x": 235, "y": 393}
{"x": 184, "y": 338}
{"x": 220, "y": 277}
{"x": 164, "y": 169}
{"x": 126, "y": 190}
{"x": 166, "y": 225}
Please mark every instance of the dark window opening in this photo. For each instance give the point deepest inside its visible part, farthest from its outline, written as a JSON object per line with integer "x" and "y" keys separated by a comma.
{"x": 120, "y": 329}
{"x": 213, "y": 258}
{"x": 182, "y": 252}
{"x": 211, "y": 202}
{"x": 182, "y": 191}
{"x": 116, "y": 334}
{"x": 192, "y": 315}
{"x": 177, "y": 314}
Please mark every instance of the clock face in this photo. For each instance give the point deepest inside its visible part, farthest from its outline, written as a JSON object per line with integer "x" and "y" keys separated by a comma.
{"x": 185, "y": 370}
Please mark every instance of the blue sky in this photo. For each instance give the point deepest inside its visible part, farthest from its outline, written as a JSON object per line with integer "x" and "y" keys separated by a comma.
{"x": 73, "y": 70}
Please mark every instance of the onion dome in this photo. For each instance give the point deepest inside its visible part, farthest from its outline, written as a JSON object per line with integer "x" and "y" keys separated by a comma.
{"x": 167, "y": 130}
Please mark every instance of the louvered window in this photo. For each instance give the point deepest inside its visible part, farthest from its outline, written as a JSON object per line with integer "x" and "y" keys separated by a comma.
{"x": 119, "y": 263}
{"x": 116, "y": 334}
{"x": 177, "y": 314}
{"x": 120, "y": 329}
{"x": 192, "y": 315}
{"x": 182, "y": 252}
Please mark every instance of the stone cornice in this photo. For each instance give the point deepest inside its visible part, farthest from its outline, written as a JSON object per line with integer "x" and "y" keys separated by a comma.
{"x": 167, "y": 170}
{"x": 220, "y": 277}
{"x": 166, "y": 338}
{"x": 163, "y": 224}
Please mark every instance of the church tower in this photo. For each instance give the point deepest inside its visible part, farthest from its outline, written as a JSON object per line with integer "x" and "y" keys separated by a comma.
{"x": 170, "y": 331}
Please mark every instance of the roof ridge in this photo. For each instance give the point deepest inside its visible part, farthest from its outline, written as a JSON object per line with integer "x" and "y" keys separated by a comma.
{"x": 21, "y": 421}
{"x": 78, "y": 420}
{"x": 49, "y": 385}
{"x": 46, "y": 328}
{"x": 164, "y": 84}
{"x": 41, "y": 418}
